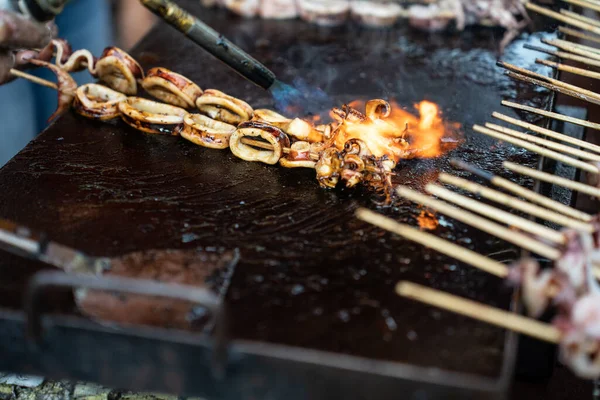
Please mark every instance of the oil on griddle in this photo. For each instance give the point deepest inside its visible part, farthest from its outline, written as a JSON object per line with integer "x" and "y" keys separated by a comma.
{"x": 310, "y": 275}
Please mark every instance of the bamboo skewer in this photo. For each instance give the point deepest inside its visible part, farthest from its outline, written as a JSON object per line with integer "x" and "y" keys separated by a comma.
{"x": 585, "y": 4}
{"x": 557, "y": 180}
{"x": 572, "y": 48}
{"x": 545, "y": 142}
{"x": 550, "y": 83}
{"x": 441, "y": 245}
{"x": 481, "y": 312}
{"x": 513, "y": 202}
{"x": 580, "y": 17}
{"x": 496, "y": 214}
{"x": 481, "y": 223}
{"x": 528, "y": 194}
{"x": 557, "y": 88}
{"x": 564, "y": 55}
{"x": 563, "y": 18}
{"x": 578, "y": 34}
{"x": 538, "y": 149}
{"x": 33, "y": 78}
{"x": 569, "y": 69}
{"x": 584, "y": 47}
{"x": 547, "y": 132}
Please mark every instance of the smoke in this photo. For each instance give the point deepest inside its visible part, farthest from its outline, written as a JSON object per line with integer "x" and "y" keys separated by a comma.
{"x": 300, "y": 98}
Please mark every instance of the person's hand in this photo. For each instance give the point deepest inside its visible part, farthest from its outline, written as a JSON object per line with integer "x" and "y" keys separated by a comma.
{"x": 18, "y": 33}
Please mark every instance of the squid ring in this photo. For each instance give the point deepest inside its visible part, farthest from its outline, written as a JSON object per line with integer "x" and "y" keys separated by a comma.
{"x": 152, "y": 117}
{"x": 222, "y": 107}
{"x": 252, "y": 129}
{"x": 271, "y": 117}
{"x": 97, "y": 102}
{"x": 207, "y": 132}
{"x": 378, "y": 109}
{"x": 119, "y": 70}
{"x": 171, "y": 87}
{"x": 298, "y": 157}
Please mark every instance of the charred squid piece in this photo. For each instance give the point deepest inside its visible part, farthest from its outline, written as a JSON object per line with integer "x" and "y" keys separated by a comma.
{"x": 304, "y": 130}
{"x": 222, "y": 107}
{"x": 119, "y": 70}
{"x": 378, "y": 109}
{"x": 328, "y": 168}
{"x": 244, "y": 8}
{"x": 429, "y": 18}
{"x": 171, "y": 87}
{"x": 207, "y": 132}
{"x": 357, "y": 147}
{"x": 352, "y": 173}
{"x": 374, "y": 14}
{"x": 298, "y": 157}
{"x": 265, "y": 132}
{"x": 347, "y": 113}
{"x": 73, "y": 61}
{"x": 271, "y": 117}
{"x": 98, "y": 102}
{"x": 326, "y": 130}
{"x": 324, "y": 12}
{"x": 66, "y": 87}
{"x": 278, "y": 9}
{"x": 152, "y": 117}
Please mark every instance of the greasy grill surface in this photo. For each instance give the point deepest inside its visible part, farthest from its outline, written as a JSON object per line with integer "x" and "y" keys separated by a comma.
{"x": 310, "y": 275}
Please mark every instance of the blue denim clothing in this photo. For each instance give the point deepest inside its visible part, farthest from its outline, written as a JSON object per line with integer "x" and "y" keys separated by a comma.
{"x": 26, "y": 106}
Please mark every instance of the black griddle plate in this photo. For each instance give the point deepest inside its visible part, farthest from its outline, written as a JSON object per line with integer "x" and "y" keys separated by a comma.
{"x": 310, "y": 276}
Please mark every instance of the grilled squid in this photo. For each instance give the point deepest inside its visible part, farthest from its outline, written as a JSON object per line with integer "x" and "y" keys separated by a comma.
{"x": 324, "y": 12}
{"x": 152, "y": 117}
{"x": 328, "y": 168}
{"x": 258, "y": 130}
{"x": 207, "y": 132}
{"x": 299, "y": 156}
{"x": 72, "y": 61}
{"x": 222, "y": 107}
{"x": 375, "y": 14}
{"x": 98, "y": 102}
{"x": 171, "y": 87}
{"x": 119, "y": 70}
{"x": 66, "y": 87}
{"x": 271, "y": 117}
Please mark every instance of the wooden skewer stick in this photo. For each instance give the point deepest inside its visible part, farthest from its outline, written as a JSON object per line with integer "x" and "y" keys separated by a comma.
{"x": 578, "y": 34}
{"x": 557, "y": 88}
{"x": 551, "y": 83}
{"x": 547, "y": 132}
{"x": 572, "y": 48}
{"x": 481, "y": 312}
{"x": 569, "y": 69}
{"x": 584, "y": 155}
{"x": 515, "y": 203}
{"x": 563, "y": 18}
{"x": 585, "y": 4}
{"x": 590, "y": 49}
{"x": 496, "y": 214}
{"x": 557, "y": 180}
{"x": 538, "y": 149}
{"x": 427, "y": 239}
{"x": 517, "y": 190}
{"x": 481, "y": 223}
{"x": 564, "y": 55}
{"x": 33, "y": 78}
{"x": 580, "y": 17}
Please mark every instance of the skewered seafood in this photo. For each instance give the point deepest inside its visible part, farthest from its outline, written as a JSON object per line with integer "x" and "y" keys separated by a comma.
{"x": 72, "y": 61}
{"x": 171, "y": 87}
{"x": 245, "y": 8}
{"x": 152, "y": 117}
{"x": 299, "y": 156}
{"x": 375, "y": 14}
{"x": 98, "y": 102}
{"x": 278, "y": 9}
{"x": 269, "y": 133}
{"x": 207, "y": 132}
{"x": 324, "y": 12}
{"x": 66, "y": 87}
{"x": 119, "y": 70}
{"x": 222, "y": 107}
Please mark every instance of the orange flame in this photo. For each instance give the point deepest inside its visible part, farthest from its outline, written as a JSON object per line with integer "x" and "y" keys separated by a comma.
{"x": 427, "y": 220}
{"x": 401, "y": 134}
